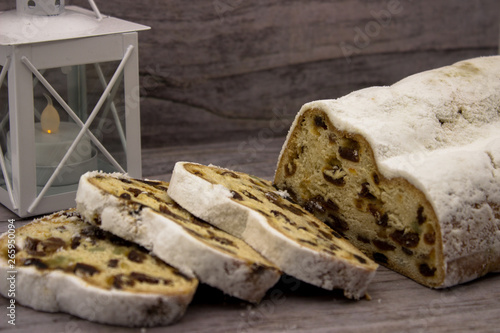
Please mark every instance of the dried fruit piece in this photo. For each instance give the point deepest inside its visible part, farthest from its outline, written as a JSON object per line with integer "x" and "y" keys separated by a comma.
{"x": 85, "y": 269}
{"x": 136, "y": 256}
{"x": 320, "y": 122}
{"x": 406, "y": 239}
{"x": 349, "y": 150}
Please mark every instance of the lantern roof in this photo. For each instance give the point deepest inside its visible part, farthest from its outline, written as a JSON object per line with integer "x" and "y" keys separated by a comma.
{"x": 74, "y": 22}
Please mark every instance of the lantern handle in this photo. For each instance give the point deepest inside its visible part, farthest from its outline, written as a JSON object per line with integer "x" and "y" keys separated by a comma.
{"x": 95, "y": 9}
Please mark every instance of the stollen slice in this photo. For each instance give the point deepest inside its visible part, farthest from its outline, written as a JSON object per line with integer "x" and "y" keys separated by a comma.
{"x": 141, "y": 211}
{"x": 252, "y": 209}
{"x": 61, "y": 263}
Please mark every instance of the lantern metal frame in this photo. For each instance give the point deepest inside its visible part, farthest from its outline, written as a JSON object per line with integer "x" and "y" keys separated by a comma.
{"x": 25, "y": 57}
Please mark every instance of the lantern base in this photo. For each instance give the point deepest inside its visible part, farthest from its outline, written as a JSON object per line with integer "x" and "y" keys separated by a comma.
{"x": 68, "y": 175}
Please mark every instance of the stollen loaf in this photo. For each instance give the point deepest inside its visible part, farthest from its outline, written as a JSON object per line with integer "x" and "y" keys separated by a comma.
{"x": 409, "y": 173}
{"x": 250, "y": 208}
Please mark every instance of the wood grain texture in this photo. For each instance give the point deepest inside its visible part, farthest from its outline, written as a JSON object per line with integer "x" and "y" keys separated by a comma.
{"x": 170, "y": 120}
{"x": 397, "y": 304}
{"x": 215, "y": 70}
{"x": 200, "y": 39}
{"x": 218, "y": 70}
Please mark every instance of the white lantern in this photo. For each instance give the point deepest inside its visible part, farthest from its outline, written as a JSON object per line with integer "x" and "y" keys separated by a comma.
{"x": 69, "y": 102}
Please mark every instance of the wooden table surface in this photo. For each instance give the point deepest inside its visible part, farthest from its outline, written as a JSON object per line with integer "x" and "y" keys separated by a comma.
{"x": 397, "y": 304}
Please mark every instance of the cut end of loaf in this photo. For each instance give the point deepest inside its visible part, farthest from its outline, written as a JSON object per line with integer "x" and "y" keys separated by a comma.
{"x": 334, "y": 175}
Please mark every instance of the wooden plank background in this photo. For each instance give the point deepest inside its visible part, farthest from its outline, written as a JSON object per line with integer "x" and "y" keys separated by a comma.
{"x": 226, "y": 77}
{"x": 223, "y": 70}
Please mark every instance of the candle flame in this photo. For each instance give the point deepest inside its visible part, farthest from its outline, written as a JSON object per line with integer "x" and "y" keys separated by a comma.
{"x": 50, "y": 117}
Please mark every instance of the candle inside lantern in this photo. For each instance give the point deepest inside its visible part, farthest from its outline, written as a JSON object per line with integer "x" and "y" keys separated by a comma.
{"x": 49, "y": 118}
{"x": 54, "y": 137}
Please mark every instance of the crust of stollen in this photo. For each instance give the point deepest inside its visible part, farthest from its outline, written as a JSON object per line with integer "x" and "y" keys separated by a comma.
{"x": 54, "y": 291}
{"x": 173, "y": 244}
{"x": 213, "y": 204}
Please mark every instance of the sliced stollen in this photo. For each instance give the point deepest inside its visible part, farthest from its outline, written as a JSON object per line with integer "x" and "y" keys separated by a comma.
{"x": 141, "y": 211}
{"x": 412, "y": 170}
{"x": 252, "y": 209}
{"x": 64, "y": 264}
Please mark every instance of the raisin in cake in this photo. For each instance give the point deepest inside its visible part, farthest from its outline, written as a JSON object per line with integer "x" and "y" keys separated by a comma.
{"x": 252, "y": 209}
{"x": 408, "y": 173}
{"x": 141, "y": 210}
{"x": 65, "y": 264}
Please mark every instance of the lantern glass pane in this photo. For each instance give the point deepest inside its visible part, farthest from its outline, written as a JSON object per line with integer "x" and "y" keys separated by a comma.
{"x": 81, "y": 95}
{"x": 4, "y": 128}
{"x": 109, "y": 125}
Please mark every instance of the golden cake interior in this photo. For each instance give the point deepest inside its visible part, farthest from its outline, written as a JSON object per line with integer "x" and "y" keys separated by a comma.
{"x": 138, "y": 193}
{"x": 64, "y": 242}
{"x": 282, "y": 214}
{"x": 333, "y": 174}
